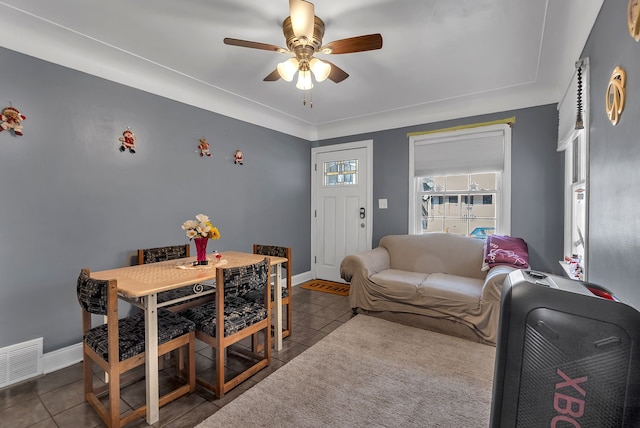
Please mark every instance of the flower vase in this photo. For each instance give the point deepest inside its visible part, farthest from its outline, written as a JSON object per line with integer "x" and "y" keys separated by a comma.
{"x": 201, "y": 251}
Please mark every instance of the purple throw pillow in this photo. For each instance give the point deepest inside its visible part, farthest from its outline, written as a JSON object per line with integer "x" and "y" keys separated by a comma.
{"x": 505, "y": 250}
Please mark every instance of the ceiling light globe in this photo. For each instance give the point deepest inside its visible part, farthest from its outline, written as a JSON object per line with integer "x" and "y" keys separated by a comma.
{"x": 302, "y": 19}
{"x": 304, "y": 80}
{"x": 320, "y": 69}
{"x": 288, "y": 69}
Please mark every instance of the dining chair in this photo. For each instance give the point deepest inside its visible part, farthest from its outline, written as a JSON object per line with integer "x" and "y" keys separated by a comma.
{"x": 277, "y": 251}
{"x": 118, "y": 346}
{"x": 187, "y": 294}
{"x": 240, "y": 310}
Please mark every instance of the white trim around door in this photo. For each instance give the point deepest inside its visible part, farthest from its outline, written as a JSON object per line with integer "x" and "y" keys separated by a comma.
{"x": 315, "y": 183}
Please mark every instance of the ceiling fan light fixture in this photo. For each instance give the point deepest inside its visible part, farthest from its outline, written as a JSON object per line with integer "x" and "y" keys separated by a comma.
{"x": 288, "y": 68}
{"x": 320, "y": 69}
{"x": 303, "y": 33}
{"x": 304, "y": 80}
{"x": 302, "y": 19}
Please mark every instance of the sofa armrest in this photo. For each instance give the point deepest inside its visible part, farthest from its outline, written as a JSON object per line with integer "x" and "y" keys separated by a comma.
{"x": 492, "y": 288}
{"x": 490, "y": 302}
{"x": 366, "y": 263}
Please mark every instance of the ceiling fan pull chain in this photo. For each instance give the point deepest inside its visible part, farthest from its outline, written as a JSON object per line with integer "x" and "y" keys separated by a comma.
{"x": 304, "y": 98}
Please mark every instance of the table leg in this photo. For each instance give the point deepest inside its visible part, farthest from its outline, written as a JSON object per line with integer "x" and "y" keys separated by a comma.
{"x": 151, "y": 355}
{"x": 277, "y": 343}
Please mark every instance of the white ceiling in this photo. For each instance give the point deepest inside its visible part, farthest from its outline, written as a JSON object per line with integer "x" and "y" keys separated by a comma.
{"x": 441, "y": 59}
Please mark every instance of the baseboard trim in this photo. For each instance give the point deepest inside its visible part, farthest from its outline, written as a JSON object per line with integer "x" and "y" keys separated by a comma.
{"x": 301, "y": 278}
{"x": 61, "y": 358}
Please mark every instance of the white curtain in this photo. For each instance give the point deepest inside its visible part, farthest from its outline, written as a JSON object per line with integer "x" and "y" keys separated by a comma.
{"x": 480, "y": 152}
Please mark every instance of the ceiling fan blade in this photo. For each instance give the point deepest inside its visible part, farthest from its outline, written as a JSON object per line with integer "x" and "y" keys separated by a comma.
{"x": 273, "y": 76}
{"x": 353, "y": 44}
{"x": 336, "y": 74}
{"x": 254, "y": 45}
{"x": 302, "y": 18}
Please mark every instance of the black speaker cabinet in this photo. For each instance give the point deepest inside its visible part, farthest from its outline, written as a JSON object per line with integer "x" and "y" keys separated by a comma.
{"x": 566, "y": 356}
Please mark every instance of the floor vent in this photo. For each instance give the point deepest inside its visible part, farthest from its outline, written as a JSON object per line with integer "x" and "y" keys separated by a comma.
{"x": 20, "y": 362}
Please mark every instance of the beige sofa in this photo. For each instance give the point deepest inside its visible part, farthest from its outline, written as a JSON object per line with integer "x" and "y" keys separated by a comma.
{"x": 432, "y": 281}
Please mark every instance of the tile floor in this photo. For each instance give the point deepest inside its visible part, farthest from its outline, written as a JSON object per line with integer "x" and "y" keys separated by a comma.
{"x": 56, "y": 399}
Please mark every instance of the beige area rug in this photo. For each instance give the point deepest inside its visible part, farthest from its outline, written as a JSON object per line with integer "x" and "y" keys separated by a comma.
{"x": 371, "y": 372}
{"x": 327, "y": 287}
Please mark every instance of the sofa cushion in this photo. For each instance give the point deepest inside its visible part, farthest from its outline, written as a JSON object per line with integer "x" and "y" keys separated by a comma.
{"x": 397, "y": 285}
{"x": 434, "y": 290}
{"x": 452, "y": 291}
{"x": 435, "y": 252}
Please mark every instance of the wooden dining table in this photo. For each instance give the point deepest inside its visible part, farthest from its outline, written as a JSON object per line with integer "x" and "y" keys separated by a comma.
{"x": 141, "y": 284}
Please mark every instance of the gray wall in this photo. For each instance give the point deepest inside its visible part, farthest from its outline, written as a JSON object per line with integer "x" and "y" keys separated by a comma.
{"x": 70, "y": 199}
{"x": 537, "y": 180}
{"x": 614, "y": 223}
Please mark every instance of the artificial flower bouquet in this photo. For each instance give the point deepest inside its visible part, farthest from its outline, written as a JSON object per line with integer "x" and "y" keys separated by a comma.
{"x": 201, "y": 227}
{"x": 201, "y": 230}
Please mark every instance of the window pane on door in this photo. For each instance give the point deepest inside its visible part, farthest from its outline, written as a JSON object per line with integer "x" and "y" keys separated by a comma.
{"x": 340, "y": 173}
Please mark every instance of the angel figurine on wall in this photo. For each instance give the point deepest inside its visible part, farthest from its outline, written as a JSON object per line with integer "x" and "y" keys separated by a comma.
{"x": 204, "y": 147}
{"x": 128, "y": 141}
{"x": 12, "y": 120}
{"x": 239, "y": 157}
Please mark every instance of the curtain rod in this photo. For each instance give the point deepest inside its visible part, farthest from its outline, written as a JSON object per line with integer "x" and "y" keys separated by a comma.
{"x": 510, "y": 121}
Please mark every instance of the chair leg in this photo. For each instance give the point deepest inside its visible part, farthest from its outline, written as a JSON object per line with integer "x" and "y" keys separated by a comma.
{"x": 220, "y": 351}
{"x": 191, "y": 376}
{"x": 114, "y": 398}
{"x": 288, "y": 325}
{"x": 180, "y": 363}
{"x": 87, "y": 372}
{"x": 267, "y": 344}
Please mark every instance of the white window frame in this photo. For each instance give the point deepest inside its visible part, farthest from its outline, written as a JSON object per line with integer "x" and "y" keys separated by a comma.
{"x": 571, "y": 183}
{"x": 567, "y": 137}
{"x": 503, "y": 196}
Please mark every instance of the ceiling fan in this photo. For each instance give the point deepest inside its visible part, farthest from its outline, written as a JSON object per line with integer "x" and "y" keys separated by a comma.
{"x": 303, "y": 32}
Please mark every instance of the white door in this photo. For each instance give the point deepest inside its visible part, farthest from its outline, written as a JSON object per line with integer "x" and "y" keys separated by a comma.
{"x": 342, "y": 205}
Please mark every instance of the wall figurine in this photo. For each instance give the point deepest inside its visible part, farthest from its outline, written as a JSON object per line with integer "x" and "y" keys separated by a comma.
{"x": 128, "y": 141}
{"x": 238, "y": 157}
{"x": 616, "y": 94}
{"x": 12, "y": 120}
{"x": 204, "y": 148}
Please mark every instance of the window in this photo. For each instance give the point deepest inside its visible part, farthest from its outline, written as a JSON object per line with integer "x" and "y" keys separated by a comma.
{"x": 460, "y": 204}
{"x": 460, "y": 181}
{"x": 575, "y": 243}
{"x": 574, "y": 143}
{"x": 341, "y": 173}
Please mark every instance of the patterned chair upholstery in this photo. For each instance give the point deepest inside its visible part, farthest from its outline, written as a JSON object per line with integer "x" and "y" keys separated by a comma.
{"x": 173, "y": 252}
{"x": 161, "y": 254}
{"x": 273, "y": 250}
{"x": 119, "y": 345}
{"x": 240, "y": 311}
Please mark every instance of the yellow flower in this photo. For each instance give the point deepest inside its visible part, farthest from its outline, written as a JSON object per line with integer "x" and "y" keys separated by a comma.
{"x": 201, "y": 228}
